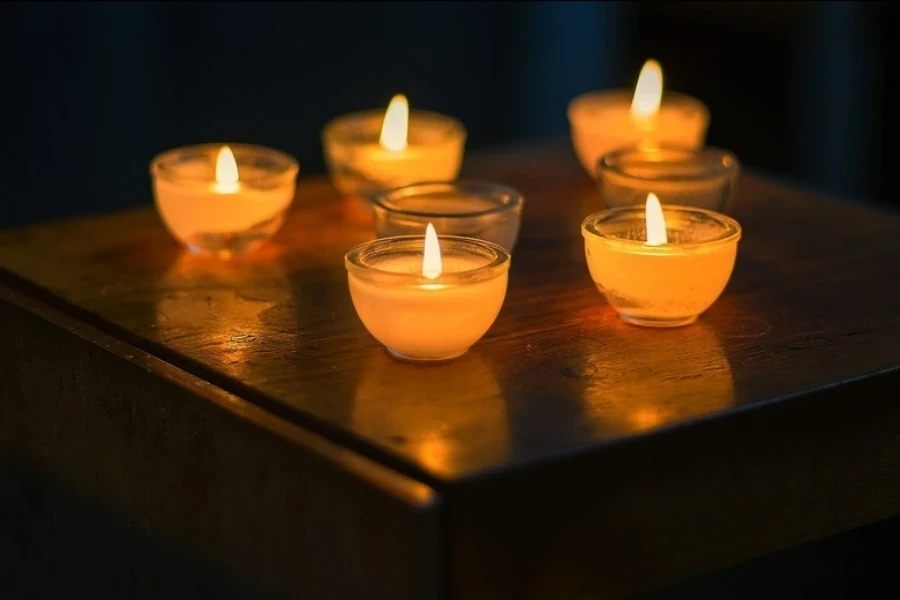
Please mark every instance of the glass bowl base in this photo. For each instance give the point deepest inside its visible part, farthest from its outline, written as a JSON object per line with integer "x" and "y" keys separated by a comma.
{"x": 224, "y": 245}
{"x": 425, "y": 359}
{"x": 644, "y": 321}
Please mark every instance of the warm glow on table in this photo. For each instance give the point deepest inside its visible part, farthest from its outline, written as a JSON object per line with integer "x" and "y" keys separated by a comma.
{"x": 660, "y": 266}
{"x": 422, "y": 303}
{"x": 604, "y": 121}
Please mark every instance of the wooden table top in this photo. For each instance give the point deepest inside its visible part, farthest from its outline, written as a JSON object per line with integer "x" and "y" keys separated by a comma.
{"x": 812, "y": 303}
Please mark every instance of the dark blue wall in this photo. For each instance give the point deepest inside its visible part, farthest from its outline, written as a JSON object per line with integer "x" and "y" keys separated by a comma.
{"x": 92, "y": 90}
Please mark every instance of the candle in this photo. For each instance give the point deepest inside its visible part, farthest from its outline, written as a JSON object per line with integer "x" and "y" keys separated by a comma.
{"x": 220, "y": 199}
{"x": 426, "y": 299}
{"x": 371, "y": 150}
{"x": 604, "y": 121}
{"x": 702, "y": 178}
{"x": 483, "y": 210}
{"x": 660, "y": 269}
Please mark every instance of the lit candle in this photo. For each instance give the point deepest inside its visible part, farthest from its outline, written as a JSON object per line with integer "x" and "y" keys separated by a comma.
{"x": 607, "y": 120}
{"x": 660, "y": 269}
{"x": 426, "y": 299}
{"x": 371, "y": 150}
{"x": 220, "y": 199}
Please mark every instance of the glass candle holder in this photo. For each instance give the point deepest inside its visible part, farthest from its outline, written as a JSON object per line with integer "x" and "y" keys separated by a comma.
{"x": 482, "y": 210}
{"x": 223, "y": 207}
{"x": 359, "y": 165}
{"x": 668, "y": 285}
{"x": 419, "y": 318}
{"x": 601, "y": 122}
{"x": 700, "y": 178}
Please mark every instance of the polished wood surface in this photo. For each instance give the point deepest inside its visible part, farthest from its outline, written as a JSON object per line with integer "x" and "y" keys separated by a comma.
{"x": 568, "y": 455}
{"x": 219, "y": 498}
{"x": 812, "y": 303}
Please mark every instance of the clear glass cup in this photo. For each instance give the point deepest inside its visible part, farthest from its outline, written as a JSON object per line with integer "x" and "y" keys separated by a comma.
{"x": 678, "y": 176}
{"x": 419, "y": 318}
{"x": 601, "y": 122}
{"x": 668, "y": 285}
{"x": 218, "y": 218}
{"x": 475, "y": 209}
{"x": 359, "y": 165}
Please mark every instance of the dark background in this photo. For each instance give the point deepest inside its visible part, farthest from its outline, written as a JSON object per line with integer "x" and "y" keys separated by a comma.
{"x": 92, "y": 90}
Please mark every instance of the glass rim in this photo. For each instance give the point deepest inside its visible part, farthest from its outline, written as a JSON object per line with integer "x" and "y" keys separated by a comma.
{"x": 576, "y": 104}
{"x": 451, "y": 127}
{"x": 730, "y": 234}
{"x": 160, "y": 164}
{"x": 355, "y": 260}
{"x": 509, "y": 199}
{"x": 723, "y": 165}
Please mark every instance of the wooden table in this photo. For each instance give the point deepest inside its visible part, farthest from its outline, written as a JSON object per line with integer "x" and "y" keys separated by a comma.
{"x": 240, "y": 413}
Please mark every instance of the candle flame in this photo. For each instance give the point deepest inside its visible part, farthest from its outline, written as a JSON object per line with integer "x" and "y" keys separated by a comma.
{"x": 656, "y": 222}
{"x": 226, "y": 171}
{"x": 395, "y": 128}
{"x": 648, "y": 91}
{"x": 432, "y": 265}
{"x": 226, "y": 166}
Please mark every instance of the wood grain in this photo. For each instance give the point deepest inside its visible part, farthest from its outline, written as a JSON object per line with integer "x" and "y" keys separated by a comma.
{"x": 575, "y": 456}
{"x": 812, "y": 302}
{"x": 185, "y": 464}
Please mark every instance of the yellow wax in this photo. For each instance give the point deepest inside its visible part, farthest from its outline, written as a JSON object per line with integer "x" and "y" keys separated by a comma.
{"x": 428, "y": 321}
{"x": 188, "y": 210}
{"x": 602, "y": 122}
{"x": 359, "y": 164}
{"x": 665, "y": 286}
{"x": 395, "y": 168}
{"x": 194, "y": 211}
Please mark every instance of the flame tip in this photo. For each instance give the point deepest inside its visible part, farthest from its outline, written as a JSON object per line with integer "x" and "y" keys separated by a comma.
{"x": 648, "y": 91}
{"x": 432, "y": 262}
{"x": 226, "y": 167}
{"x": 395, "y": 127}
{"x": 656, "y": 221}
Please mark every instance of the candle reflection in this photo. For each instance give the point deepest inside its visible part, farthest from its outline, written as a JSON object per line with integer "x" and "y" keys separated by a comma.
{"x": 449, "y": 416}
{"x": 214, "y": 311}
{"x": 666, "y": 381}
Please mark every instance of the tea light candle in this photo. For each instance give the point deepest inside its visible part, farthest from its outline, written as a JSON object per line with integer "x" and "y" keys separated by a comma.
{"x": 222, "y": 199}
{"x": 425, "y": 299}
{"x": 477, "y": 209}
{"x": 604, "y": 121}
{"x": 660, "y": 269}
{"x": 371, "y": 150}
{"x": 703, "y": 178}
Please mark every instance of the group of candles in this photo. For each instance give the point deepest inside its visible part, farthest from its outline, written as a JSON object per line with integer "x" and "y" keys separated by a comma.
{"x": 661, "y": 252}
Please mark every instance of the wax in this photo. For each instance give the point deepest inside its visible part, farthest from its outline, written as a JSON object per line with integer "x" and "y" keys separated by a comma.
{"x": 602, "y": 122}
{"x": 429, "y": 148}
{"x": 428, "y": 320}
{"x": 227, "y": 216}
{"x": 421, "y": 315}
{"x": 664, "y": 285}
